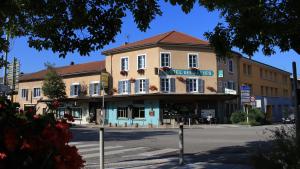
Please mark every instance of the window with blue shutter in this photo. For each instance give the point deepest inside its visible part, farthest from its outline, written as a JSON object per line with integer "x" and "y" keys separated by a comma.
{"x": 120, "y": 87}
{"x": 147, "y": 85}
{"x": 91, "y": 91}
{"x": 128, "y": 86}
{"x": 173, "y": 85}
{"x": 187, "y": 85}
{"x": 136, "y": 86}
{"x": 71, "y": 90}
{"x": 201, "y": 86}
{"x": 79, "y": 90}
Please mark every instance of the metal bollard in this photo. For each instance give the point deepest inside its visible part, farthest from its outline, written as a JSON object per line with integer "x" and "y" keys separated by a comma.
{"x": 101, "y": 147}
{"x": 181, "y": 144}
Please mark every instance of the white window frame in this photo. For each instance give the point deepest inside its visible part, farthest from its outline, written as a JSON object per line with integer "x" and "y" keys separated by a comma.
{"x": 75, "y": 84}
{"x": 197, "y": 85}
{"x": 230, "y": 71}
{"x": 169, "y": 86}
{"x": 144, "y": 86}
{"x": 24, "y": 96}
{"x": 137, "y": 61}
{"x": 197, "y": 60}
{"x": 125, "y": 57}
{"x": 126, "y": 86}
{"x": 160, "y": 62}
{"x": 39, "y": 92}
{"x": 93, "y": 83}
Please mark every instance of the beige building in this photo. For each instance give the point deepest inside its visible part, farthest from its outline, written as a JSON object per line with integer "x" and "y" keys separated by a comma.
{"x": 82, "y": 88}
{"x": 164, "y": 79}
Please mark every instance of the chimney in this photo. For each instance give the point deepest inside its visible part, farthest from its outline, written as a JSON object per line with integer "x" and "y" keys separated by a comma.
{"x": 72, "y": 63}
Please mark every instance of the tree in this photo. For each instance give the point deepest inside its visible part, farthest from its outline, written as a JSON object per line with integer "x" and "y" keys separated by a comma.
{"x": 53, "y": 86}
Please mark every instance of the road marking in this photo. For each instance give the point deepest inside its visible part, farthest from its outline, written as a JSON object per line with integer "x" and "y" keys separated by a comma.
{"x": 74, "y": 143}
{"x": 86, "y": 145}
{"x": 97, "y": 149}
{"x": 85, "y": 156}
{"x": 157, "y": 152}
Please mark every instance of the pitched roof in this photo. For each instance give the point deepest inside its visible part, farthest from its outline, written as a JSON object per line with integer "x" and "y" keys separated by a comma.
{"x": 77, "y": 69}
{"x": 169, "y": 38}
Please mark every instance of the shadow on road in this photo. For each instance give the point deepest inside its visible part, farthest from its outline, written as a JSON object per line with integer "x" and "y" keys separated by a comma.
{"x": 111, "y": 135}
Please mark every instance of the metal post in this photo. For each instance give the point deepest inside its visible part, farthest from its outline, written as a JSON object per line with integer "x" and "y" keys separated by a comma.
{"x": 297, "y": 115}
{"x": 101, "y": 147}
{"x": 246, "y": 107}
{"x": 189, "y": 122}
{"x": 181, "y": 144}
{"x": 103, "y": 108}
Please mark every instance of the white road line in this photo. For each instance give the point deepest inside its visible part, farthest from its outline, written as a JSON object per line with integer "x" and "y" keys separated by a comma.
{"x": 157, "y": 152}
{"x": 75, "y": 143}
{"x": 97, "y": 149}
{"x": 85, "y": 156}
{"x": 86, "y": 145}
{"x": 136, "y": 163}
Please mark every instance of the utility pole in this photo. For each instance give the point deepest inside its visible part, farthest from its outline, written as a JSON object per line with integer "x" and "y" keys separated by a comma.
{"x": 297, "y": 115}
{"x": 5, "y": 58}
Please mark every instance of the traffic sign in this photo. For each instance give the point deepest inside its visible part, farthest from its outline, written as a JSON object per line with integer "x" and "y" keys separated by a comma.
{"x": 245, "y": 94}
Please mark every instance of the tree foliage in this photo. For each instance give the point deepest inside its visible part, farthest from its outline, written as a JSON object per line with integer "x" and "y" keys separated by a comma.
{"x": 87, "y": 25}
{"x": 53, "y": 85}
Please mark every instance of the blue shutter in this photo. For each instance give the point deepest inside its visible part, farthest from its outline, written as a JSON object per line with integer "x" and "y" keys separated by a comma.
{"x": 71, "y": 90}
{"x": 136, "y": 86}
{"x": 173, "y": 87}
{"x": 161, "y": 84}
{"x": 99, "y": 88}
{"x": 187, "y": 85}
{"x": 91, "y": 89}
{"x": 129, "y": 86}
{"x": 201, "y": 85}
{"x": 120, "y": 87}
{"x": 147, "y": 85}
{"x": 79, "y": 89}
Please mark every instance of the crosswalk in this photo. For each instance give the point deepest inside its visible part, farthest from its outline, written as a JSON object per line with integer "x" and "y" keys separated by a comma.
{"x": 118, "y": 156}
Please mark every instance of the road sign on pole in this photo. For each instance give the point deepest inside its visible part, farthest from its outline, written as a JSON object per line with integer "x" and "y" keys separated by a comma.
{"x": 245, "y": 94}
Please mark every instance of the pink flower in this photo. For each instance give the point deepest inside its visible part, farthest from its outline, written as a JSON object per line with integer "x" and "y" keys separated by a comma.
{"x": 2, "y": 156}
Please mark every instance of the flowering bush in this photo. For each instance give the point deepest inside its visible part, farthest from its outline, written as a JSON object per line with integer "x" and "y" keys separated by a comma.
{"x": 35, "y": 141}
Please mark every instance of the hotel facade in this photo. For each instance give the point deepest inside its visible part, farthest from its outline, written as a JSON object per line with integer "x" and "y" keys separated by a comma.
{"x": 163, "y": 80}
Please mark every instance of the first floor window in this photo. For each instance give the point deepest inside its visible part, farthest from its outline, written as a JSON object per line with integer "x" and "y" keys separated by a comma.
{"x": 142, "y": 86}
{"x": 94, "y": 88}
{"x": 75, "y": 90}
{"x": 124, "y": 87}
{"x": 122, "y": 112}
{"x": 167, "y": 85}
{"x": 24, "y": 93}
{"x": 231, "y": 85}
{"x": 36, "y": 92}
{"x": 192, "y": 85}
{"x": 138, "y": 112}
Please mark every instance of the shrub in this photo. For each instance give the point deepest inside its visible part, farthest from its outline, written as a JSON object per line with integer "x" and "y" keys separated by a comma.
{"x": 284, "y": 152}
{"x": 238, "y": 117}
{"x": 256, "y": 116}
{"x": 35, "y": 141}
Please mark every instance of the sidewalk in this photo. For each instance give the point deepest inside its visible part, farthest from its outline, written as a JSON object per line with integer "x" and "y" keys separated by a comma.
{"x": 202, "y": 126}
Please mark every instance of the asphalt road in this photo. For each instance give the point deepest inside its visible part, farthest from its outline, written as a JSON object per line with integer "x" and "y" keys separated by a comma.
{"x": 215, "y": 144}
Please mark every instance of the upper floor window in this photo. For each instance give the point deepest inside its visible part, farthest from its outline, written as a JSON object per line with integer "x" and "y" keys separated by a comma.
{"x": 141, "y": 62}
{"x": 165, "y": 59}
{"x": 247, "y": 69}
{"x": 193, "y": 60}
{"x": 192, "y": 85}
{"x": 230, "y": 65}
{"x": 124, "y": 87}
{"x": 36, "y": 92}
{"x": 124, "y": 63}
{"x": 142, "y": 86}
{"x": 75, "y": 89}
{"x": 231, "y": 85}
{"x": 24, "y": 94}
{"x": 94, "y": 88}
{"x": 167, "y": 85}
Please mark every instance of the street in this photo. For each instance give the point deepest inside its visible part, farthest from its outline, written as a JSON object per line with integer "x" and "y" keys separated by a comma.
{"x": 210, "y": 147}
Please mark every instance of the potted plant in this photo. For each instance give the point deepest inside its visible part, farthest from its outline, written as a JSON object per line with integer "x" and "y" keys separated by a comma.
{"x": 181, "y": 79}
{"x": 124, "y": 72}
{"x": 132, "y": 80}
{"x": 141, "y": 71}
{"x": 211, "y": 89}
{"x": 153, "y": 88}
{"x": 165, "y": 68}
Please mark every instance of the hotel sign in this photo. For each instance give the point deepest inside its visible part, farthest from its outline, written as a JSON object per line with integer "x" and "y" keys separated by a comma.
{"x": 104, "y": 79}
{"x": 183, "y": 72}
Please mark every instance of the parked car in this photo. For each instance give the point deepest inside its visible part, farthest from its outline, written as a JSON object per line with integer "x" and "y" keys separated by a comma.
{"x": 289, "y": 120}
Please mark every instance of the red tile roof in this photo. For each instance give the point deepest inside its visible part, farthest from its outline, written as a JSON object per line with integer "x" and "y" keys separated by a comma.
{"x": 169, "y": 38}
{"x": 77, "y": 69}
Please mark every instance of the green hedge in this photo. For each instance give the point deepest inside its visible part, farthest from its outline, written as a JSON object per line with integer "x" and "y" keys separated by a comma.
{"x": 256, "y": 117}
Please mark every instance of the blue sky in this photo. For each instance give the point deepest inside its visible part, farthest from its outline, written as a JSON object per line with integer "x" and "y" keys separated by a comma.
{"x": 195, "y": 23}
